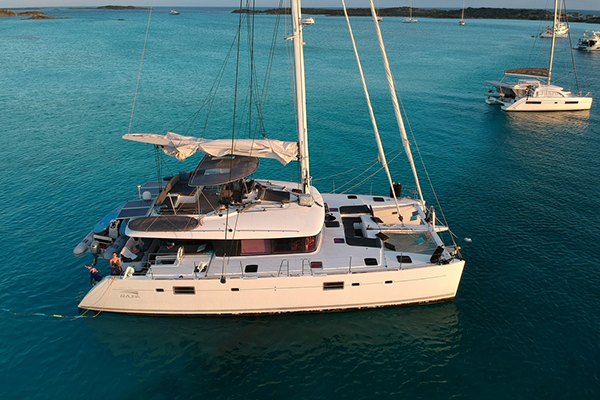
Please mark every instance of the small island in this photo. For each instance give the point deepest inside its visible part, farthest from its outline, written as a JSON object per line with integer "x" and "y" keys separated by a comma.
{"x": 30, "y": 14}
{"x": 121, "y": 8}
{"x": 470, "y": 13}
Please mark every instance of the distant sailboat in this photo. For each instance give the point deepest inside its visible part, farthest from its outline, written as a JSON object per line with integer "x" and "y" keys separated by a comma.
{"x": 462, "y": 17}
{"x": 410, "y": 17}
{"x": 559, "y": 29}
{"x": 537, "y": 94}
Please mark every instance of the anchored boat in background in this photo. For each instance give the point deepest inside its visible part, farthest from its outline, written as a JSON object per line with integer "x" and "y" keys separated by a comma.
{"x": 558, "y": 29}
{"x": 410, "y": 18}
{"x": 536, "y": 92}
{"x": 217, "y": 240}
{"x": 589, "y": 41}
{"x": 462, "y": 15}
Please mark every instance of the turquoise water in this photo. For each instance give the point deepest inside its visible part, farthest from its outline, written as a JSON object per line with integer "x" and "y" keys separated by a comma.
{"x": 524, "y": 187}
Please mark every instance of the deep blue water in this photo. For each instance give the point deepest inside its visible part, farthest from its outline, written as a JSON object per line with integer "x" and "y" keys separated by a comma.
{"x": 525, "y": 188}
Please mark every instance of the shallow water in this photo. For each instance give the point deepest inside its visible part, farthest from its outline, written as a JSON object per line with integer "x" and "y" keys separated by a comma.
{"x": 523, "y": 187}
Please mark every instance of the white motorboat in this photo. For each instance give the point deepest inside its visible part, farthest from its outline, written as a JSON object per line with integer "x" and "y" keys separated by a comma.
{"x": 536, "y": 92}
{"x": 216, "y": 241}
{"x": 589, "y": 41}
{"x": 174, "y": 12}
{"x": 410, "y": 18}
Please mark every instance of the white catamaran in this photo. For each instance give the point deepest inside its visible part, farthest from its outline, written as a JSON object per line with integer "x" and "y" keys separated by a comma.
{"x": 215, "y": 241}
{"x": 536, "y": 92}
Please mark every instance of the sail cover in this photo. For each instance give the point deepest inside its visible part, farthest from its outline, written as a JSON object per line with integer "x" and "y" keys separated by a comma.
{"x": 181, "y": 147}
{"x": 532, "y": 72}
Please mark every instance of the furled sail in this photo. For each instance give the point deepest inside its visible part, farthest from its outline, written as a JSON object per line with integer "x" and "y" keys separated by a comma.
{"x": 181, "y": 147}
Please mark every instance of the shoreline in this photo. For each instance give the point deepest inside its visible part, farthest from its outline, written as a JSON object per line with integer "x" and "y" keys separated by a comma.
{"x": 470, "y": 13}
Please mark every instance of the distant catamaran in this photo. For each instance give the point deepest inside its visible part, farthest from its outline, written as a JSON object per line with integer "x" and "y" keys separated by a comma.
{"x": 537, "y": 94}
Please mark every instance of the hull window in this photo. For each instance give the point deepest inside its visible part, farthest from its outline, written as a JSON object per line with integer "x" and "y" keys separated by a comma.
{"x": 184, "y": 290}
{"x": 333, "y": 285}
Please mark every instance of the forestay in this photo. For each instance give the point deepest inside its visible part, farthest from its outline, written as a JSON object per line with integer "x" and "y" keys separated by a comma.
{"x": 182, "y": 147}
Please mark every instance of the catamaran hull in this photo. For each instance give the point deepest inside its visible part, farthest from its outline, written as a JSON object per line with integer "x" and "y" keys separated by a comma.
{"x": 268, "y": 295}
{"x": 549, "y": 104}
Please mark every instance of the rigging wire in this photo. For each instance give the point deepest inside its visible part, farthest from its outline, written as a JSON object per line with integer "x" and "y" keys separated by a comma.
{"x": 382, "y": 157}
{"x": 137, "y": 85}
{"x": 235, "y": 101}
{"x": 211, "y": 97}
{"x": 571, "y": 46}
{"x": 369, "y": 177}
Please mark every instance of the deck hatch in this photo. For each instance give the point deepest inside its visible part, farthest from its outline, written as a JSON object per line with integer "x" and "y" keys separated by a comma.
{"x": 251, "y": 268}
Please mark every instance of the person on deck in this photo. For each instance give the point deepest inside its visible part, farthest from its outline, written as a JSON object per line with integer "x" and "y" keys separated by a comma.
{"x": 132, "y": 251}
{"x": 115, "y": 264}
{"x": 95, "y": 277}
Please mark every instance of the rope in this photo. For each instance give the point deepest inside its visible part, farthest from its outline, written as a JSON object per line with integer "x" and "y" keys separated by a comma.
{"x": 71, "y": 317}
{"x": 112, "y": 280}
{"x": 137, "y": 85}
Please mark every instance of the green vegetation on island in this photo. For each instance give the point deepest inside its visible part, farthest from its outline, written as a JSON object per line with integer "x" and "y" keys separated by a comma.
{"x": 470, "y": 13}
{"x": 30, "y": 14}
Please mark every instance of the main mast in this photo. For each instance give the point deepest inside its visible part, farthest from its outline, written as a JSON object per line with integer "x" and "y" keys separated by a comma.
{"x": 300, "y": 96}
{"x": 553, "y": 40}
{"x": 399, "y": 120}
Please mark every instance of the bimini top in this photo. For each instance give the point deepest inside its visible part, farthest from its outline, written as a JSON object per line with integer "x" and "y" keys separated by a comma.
{"x": 532, "y": 72}
{"x": 219, "y": 170}
{"x": 181, "y": 147}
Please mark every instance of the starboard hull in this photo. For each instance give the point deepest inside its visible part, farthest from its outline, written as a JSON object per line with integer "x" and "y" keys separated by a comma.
{"x": 549, "y": 104}
{"x": 269, "y": 295}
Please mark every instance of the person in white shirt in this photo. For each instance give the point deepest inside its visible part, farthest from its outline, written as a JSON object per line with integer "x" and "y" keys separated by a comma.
{"x": 132, "y": 250}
